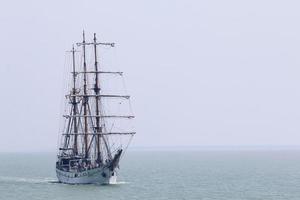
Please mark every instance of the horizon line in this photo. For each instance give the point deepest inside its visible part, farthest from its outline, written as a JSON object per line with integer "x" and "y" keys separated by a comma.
{"x": 187, "y": 148}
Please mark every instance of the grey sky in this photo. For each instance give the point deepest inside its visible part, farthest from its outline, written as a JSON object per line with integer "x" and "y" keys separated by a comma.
{"x": 199, "y": 72}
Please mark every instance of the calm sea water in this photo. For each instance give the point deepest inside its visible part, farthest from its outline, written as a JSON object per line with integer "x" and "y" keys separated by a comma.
{"x": 207, "y": 175}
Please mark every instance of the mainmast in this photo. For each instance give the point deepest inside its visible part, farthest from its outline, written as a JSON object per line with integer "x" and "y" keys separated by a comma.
{"x": 74, "y": 103}
{"x": 85, "y": 100}
{"x": 98, "y": 127}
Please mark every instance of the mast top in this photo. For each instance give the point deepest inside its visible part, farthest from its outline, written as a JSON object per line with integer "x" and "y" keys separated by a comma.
{"x": 83, "y": 36}
{"x": 111, "y": 44}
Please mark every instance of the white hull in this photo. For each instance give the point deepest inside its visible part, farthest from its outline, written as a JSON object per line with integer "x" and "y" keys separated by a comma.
{"x": 91, "y": 176}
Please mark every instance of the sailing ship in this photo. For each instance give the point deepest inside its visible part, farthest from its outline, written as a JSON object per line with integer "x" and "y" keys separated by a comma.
{"x": 90, "y": 148}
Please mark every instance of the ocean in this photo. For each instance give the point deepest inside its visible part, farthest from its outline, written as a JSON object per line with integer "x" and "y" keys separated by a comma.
{"x": 162, "y": 175}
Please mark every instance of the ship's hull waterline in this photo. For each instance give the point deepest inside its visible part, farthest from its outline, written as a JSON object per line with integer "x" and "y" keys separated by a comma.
{"x": 91, "y": 176}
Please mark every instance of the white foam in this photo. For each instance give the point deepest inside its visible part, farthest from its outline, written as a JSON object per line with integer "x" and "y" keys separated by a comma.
{"x": 120, "y": 183}
{"x": 28, "y": 180}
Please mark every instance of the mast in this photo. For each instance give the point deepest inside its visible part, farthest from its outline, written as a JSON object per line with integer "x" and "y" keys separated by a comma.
{"x": 97, "y": 138}
{"x": 97, "y": 90}
{"x": 85, "y": 100}
{"x": 74, "y": 104}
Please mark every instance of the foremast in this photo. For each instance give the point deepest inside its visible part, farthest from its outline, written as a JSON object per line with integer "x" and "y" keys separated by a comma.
{"x": 98, "y": 127}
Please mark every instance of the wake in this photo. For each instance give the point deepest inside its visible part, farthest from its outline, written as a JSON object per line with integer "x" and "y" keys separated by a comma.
{"x": 28, "y": 180}
{"x": 44, "y": 180}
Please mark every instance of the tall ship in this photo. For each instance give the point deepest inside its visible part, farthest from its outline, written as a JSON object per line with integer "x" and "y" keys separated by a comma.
{"x": 94, "y": 134}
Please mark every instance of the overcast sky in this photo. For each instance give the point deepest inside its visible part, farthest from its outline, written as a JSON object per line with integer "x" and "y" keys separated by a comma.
{"x": 199, "y": 72}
